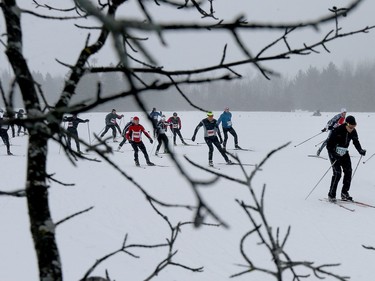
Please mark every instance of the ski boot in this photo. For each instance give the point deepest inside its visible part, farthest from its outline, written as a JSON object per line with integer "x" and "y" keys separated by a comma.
{"x": 150, "y": 163}
{"x": 229, "y": 162}
{"x": 237, "y": 146}
{"x": 346, "y": 197}
{"x": 118, "y": 148}
{"x": 331, "y": 198}
{"x": 136, "y": 162}
{"x": 157, "y": 152}
{"x": 210, "y": 163}
{"x": 9, "y": 153}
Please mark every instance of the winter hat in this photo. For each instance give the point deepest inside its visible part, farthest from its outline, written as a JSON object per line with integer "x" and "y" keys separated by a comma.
{"x": 135, "y": 118}
{"x": 209, "y": 113}
{"x": 113, "y": 110}
{"x": 343, "y": 110}
{"x": 174, "y": 113}
{"x": 350, "y": 120}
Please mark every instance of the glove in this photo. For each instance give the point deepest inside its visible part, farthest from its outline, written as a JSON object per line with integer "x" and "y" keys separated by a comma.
{"x": 330, "y": 128}
{"x": 325, "y": 129}
{"x": 151, "y": 141}
{"x": 362, "y": 152}
{"x": 122, "y": 115}
{"x": 87, "y": 120}
{"x": 193, "y": 138}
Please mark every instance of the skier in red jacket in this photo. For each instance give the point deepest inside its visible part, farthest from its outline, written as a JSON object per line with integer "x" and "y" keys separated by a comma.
{"x": 134, "y": 136}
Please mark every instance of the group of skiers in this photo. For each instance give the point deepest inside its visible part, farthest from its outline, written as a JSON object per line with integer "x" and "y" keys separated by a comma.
{"x": 133, "y": 131}
{"x": 341, "y": 129}
{"x": 20, "y": 114}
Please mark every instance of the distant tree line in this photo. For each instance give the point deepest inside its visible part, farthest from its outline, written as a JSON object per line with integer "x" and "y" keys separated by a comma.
{"x": 326, "y": 89}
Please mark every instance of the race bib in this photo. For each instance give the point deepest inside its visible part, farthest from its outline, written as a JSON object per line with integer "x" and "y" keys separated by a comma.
{"x": 70, "y": 124}
{"x": 175, "y": 126}
{"x": 210, "y": 133}
{"x": 341, "y": 150}
{"x": 136, "y": 135}
{"x": 113, "y": 121}
{"x": 229, "y": 123}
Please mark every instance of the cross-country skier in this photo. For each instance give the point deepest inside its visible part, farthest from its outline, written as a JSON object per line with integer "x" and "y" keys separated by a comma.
{"x": 134, "y": 136}
{"x": 161, "y": 129}
{"x": 226, "y": 120}
{"x": 336, "y": 121}
{"x": 4, "y": 132}
{"x": 175, "y": 125}
{"x": 338, "y": 153}
{"x": 127, "y": 125}
{"x": 110, "y": 123}
{"x": 155, "y": 116}
{"x": 20, "y": 115}
{"x": 73, "y": 122}
{"x": 211, "y": 131}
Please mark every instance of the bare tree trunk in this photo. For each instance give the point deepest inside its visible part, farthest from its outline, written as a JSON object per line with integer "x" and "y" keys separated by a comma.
{"x": 42, "y": 227}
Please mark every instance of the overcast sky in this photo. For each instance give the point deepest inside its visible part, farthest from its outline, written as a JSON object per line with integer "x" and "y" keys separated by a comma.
{"x": 45, "y": 41}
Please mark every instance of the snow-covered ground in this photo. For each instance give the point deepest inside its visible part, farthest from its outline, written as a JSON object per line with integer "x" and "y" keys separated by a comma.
{"x": 321, "y": 232}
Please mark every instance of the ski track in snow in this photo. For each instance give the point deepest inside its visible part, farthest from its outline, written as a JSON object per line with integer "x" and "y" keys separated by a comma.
{"x": 320, "y": 232}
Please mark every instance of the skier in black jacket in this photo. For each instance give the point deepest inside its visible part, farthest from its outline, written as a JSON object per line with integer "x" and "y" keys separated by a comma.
{"x": 4, "y": 132}
{"x": 110, "y": 123}
{"x": 211, "y": 130}
{"x": 160, "y": 134}
{"x": 338, "y": 153}
{"x": 20, "y": 115}
{"x": 73, "y": 122}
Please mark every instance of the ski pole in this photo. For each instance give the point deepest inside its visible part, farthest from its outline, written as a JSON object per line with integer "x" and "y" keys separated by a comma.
{"x": 320, "y": 180}
{"x": 364, "y": 162}
{"x": 88, "y": 129}
{"x": 308, "y": 139}
{"x": 356, "y": 167}
{"x": 152, "y": 149}
{"x": 319, "y": 143}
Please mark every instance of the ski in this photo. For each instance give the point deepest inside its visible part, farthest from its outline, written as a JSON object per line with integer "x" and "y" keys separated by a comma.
{"x": 362, "y": 204}
{"x": 163, "y": 166}
{"x": 316, "y": 156}
{"x": 119, "y": 151}
{"x": 234, "y": 163}
{"x": 338, "y": 203}
{"x": 243, "y": 149}
{"x": 213, "y": 167}
{"x": 16, "y": 155}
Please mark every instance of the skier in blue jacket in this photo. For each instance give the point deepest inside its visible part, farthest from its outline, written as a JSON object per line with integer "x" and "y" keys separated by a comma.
{"x": 226, "y": 122}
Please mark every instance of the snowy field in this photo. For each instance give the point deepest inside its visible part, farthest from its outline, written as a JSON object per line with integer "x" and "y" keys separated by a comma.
{"x": 321, "y": 232}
